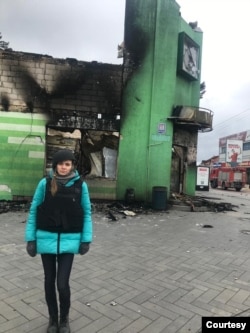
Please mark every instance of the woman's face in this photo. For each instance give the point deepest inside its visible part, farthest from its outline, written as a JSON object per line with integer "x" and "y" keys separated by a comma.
{"x": 64, "y": 168}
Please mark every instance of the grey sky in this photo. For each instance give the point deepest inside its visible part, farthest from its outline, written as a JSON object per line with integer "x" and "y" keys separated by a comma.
{"x": 91, "y": 30}
{"x": 82, "y": 29}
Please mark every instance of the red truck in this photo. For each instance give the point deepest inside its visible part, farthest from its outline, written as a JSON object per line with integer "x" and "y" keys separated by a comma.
{"x": 228, "y": 177}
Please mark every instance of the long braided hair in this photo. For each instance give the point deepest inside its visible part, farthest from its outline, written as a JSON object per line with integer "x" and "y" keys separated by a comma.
{"x": 53, "y": 186}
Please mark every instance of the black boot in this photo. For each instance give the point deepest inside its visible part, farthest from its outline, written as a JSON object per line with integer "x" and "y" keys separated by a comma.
{"x": 64, "y": 325}
{"x": 53, "y": 324}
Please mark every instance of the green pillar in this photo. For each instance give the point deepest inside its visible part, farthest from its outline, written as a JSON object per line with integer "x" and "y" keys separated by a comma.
{"x": 151, "y": 35}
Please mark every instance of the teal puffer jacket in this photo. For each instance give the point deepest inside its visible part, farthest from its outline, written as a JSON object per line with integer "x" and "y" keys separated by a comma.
{"x": 53, "y": 242}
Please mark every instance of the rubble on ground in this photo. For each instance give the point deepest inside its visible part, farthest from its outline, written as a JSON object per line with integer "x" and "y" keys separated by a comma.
{"x": 14, "y": 206}
{"x": 120, "y": 209}
{"x": 200, "y": 203}
{"x": 115, "y": 210}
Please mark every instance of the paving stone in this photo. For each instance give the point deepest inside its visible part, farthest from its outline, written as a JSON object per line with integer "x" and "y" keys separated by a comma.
{"x": 157, "y": 326}
{"x": 137, "y": 325}
{"x": 141, "y": 310}
{"x": 117, "y": 325}
{"x": 79, "y": 325}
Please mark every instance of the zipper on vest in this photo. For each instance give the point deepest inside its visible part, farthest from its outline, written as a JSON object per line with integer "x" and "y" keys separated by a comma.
{"x": 58, "y": 243}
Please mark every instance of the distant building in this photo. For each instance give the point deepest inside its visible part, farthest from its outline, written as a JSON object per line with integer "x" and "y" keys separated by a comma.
{"x": 211, "y": 162}
{"x": 235, "y": 149}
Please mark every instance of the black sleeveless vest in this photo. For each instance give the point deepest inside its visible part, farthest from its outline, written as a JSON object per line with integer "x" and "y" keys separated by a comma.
{"x": 63, "y": 211}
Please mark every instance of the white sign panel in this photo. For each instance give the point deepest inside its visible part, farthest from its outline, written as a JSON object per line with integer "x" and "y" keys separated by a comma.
{"x": 202, "y": 176}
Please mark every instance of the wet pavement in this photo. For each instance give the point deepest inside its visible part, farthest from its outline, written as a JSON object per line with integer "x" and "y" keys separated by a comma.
{"x": 157, "y": 271}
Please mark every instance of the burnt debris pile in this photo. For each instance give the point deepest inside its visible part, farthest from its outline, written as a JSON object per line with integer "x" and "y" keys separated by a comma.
{"x": 116, "y": 210}
{"x": 199, "y": 203}
{"x": 120, "y": 209}
{"x": 14, "y": 206}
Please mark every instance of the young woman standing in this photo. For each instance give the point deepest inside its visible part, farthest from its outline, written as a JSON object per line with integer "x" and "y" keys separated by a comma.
{"x": 59, "y": 225}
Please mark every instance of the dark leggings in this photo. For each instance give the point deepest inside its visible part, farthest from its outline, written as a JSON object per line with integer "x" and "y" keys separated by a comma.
{"x": 57, "y": 266}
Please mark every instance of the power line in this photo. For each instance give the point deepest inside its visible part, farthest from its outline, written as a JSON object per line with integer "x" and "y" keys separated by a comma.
{"x": 229, "y": 119}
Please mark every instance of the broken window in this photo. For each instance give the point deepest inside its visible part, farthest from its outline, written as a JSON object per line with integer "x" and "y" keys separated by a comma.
{"x": 95, "y": 151}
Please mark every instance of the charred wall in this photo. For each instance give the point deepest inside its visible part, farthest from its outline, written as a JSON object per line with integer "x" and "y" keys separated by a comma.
{"x": 61, "y": 88}
{"x": 186, "y": 140}
{"x": 184, "y": 154}
{"x": 70, "y": 96}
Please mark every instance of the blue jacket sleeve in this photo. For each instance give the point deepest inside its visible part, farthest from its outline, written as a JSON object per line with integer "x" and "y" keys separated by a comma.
{"x": 30, "y": 229}
{"x": 87, "y": 219}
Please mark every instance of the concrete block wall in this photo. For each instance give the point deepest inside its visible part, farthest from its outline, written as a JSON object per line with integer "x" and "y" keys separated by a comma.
{"x": 40, "y": 83}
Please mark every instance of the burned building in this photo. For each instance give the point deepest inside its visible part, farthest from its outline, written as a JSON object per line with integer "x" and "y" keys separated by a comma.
{"x": 52, "y": 103}
{"x": 132, "y": 126}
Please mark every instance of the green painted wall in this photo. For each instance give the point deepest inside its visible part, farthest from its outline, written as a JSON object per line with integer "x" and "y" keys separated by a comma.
{"x": 150, "y": 92}
{"x": 189, "y": 186}
{"x": 22, "y": 146}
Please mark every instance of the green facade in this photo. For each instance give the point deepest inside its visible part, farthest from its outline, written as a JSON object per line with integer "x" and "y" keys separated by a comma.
{"x": 150, "y": 92}
{"x": 22, "y": 146}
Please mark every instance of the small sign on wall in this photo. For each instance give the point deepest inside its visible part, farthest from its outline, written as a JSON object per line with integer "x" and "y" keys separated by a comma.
{"x": 161, "y": 129}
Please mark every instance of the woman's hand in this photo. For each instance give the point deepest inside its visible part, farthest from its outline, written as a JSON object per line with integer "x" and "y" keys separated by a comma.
{"x": 31, "y": 248}
{"x": 84, "y": 248}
